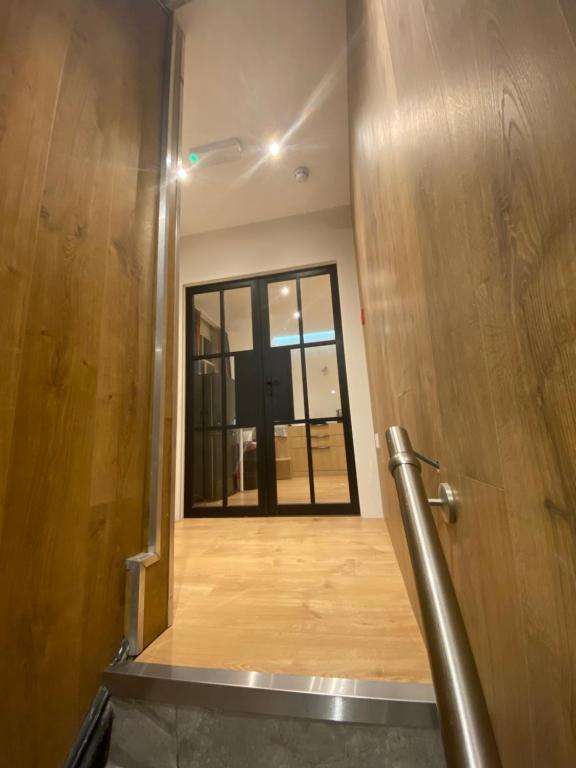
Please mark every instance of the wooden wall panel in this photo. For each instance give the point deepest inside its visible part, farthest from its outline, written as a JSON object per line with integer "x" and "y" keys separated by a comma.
{"x": 463, "y": 123}
{"x": 80, "y": 116}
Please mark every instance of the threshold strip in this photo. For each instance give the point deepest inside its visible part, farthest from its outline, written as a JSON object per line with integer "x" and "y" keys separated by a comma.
{"x": 333, "y": 699}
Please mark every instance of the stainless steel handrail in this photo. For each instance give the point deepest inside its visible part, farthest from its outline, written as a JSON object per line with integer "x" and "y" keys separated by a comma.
{"x": 467, "y": 733}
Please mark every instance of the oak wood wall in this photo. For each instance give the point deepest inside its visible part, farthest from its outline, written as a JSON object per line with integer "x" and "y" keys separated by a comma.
{"x": 80, "y": 117}
{"x": 463, "y": 141}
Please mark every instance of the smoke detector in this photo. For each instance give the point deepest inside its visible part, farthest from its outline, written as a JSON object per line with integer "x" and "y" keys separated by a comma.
{"x": 302, "y": 174}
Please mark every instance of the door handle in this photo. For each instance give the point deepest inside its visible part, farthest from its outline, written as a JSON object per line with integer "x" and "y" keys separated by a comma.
{"x": 271, "y": 383}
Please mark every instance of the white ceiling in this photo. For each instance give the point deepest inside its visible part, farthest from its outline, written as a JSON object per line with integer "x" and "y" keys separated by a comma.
{"x": 264, "y": 70}
{"x": 173, "y": 4}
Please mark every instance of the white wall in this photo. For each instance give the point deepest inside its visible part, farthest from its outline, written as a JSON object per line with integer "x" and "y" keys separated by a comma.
{"x": 313, "y": 239}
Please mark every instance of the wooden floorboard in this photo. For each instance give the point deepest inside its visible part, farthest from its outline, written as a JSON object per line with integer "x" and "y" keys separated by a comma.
{"x": 315, "y": 596}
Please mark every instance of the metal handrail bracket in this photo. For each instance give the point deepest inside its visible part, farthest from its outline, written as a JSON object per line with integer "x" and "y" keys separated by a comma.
{"x": 467, "y": 733}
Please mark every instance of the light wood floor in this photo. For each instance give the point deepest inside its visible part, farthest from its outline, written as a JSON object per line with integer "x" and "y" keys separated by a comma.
{"x": 315, "y": 596}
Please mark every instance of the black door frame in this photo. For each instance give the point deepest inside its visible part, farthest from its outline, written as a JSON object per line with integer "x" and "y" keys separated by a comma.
{"x": 267, "y": 500}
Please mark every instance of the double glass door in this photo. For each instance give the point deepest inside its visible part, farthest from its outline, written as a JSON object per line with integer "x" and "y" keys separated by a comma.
{"x": 267, "y": 416}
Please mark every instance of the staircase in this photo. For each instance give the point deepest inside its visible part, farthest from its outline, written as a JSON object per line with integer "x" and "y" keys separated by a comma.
{"x": 171, "y": 717}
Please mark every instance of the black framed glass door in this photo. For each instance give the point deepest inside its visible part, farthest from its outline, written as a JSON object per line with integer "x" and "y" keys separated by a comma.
{"x": 267, "y": 426}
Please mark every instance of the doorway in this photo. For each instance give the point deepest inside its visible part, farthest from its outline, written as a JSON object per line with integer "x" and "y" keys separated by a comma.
{"x": 267, "y": 424}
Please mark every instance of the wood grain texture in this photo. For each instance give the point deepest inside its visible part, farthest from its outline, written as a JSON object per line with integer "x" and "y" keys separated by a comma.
{"x": 80, "y": 101}
{"x": 311, "y": 596}
{"x": 464, "y": 190}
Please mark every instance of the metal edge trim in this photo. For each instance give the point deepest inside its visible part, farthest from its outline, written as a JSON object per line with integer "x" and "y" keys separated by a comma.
{"x": 136, "y": 565}
{"x": 179, "y": 42}
{"x": 162, "y": 247}
{"x": 332, "y": 699}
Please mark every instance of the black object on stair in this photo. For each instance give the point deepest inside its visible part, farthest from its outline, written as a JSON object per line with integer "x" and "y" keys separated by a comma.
{"x": 90, "y": 750}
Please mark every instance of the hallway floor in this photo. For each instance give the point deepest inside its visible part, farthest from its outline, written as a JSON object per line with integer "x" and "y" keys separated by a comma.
{"x": 312, "y": 596}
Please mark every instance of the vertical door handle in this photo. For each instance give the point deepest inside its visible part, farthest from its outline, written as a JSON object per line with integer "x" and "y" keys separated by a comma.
{"x": 271, "y": 383}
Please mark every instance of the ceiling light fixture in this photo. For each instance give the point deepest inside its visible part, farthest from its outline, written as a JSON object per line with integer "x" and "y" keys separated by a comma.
{"x": 285, "y": 290}
{"x": 296, "y": 315}
{"x": 182, "y": 173}
{"x": 215, "y": 153}
{"x": 274, "y": 148}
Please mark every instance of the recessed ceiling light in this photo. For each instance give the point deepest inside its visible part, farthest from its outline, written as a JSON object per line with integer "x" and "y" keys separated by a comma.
{"x": 296, "y": 315}
{"x": 274, "y": 148}
{"x": 285, "y": 290}
{"x": 182, "y": 173}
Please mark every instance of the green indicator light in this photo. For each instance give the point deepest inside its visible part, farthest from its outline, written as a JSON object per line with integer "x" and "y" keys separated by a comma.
{"x": 194, "y": 157}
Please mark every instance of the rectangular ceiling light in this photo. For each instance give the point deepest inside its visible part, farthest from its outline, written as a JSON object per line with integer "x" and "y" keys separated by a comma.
{"x": 216, "y": 153}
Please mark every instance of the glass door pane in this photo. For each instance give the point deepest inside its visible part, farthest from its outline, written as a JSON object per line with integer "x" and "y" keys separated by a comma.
{"x": 285, "y": 386}
{"x": 317, "y": 311}
{"x": 243, "y": 467}
{"x": 238, "y": 313}
{"x": 207, "y": 393}
{"x": 206, "y": 462}
{"x": 283, "y": 314}
{"x": 291, "y": 458}
{"x": 207, "y": 323}
{"x": 323, "y": 382}
{"x": 330, "y": 465}
{"x": 242, "y": 376}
